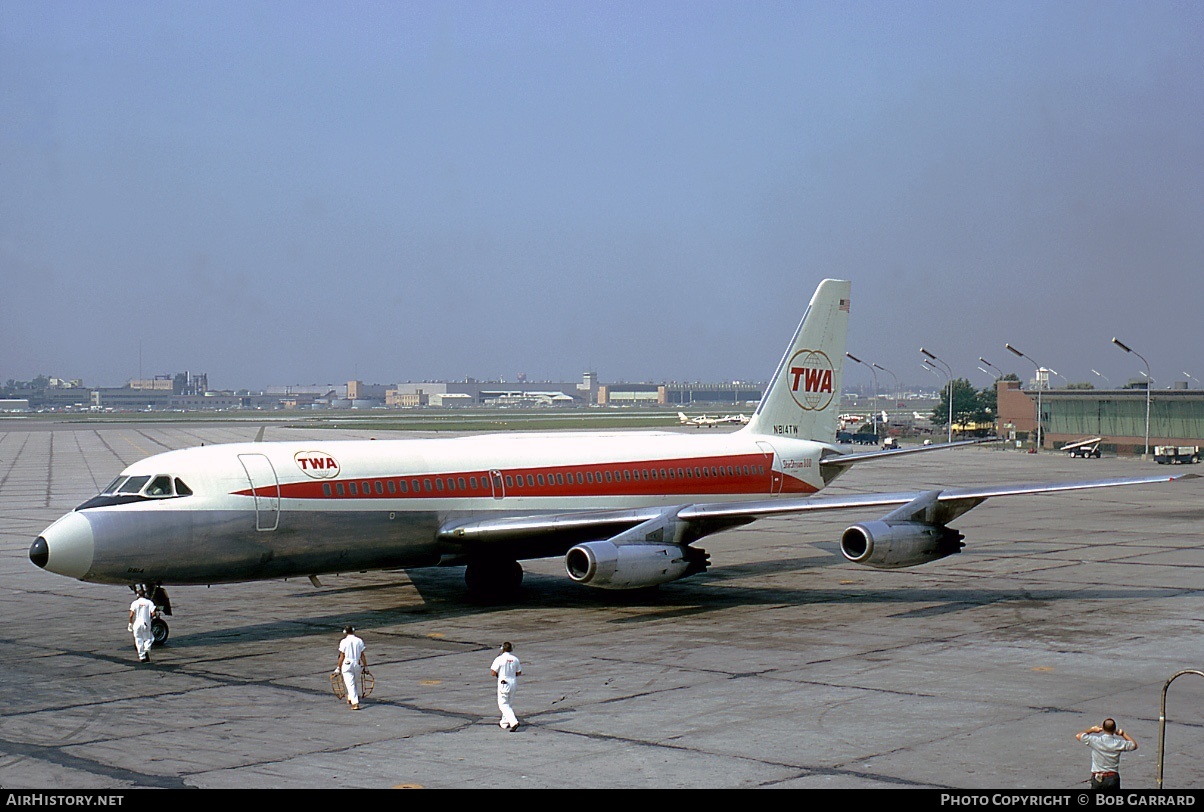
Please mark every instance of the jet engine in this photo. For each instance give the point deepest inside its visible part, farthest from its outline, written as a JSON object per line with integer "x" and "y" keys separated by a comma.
{"x": 607, "y": 565}
{"x": 898, "y": 545}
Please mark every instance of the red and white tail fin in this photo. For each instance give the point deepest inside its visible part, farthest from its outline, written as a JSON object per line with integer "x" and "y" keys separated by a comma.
{"x": 803, "y": 397}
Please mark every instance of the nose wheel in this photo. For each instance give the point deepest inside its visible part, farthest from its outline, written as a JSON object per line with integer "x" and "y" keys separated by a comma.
{"x": 159, "y": 631}
{"x": 158, "y": 596}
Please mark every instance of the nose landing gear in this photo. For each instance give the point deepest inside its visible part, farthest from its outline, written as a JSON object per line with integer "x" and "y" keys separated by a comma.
{"x": 158, "y": 596}
{"x": 159, "y": 632}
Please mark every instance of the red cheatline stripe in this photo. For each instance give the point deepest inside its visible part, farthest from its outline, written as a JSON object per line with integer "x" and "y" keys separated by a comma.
{"x": 745, "y": 474}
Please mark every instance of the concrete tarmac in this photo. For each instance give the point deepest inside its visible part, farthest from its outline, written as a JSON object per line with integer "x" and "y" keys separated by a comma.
{"x": 782, "y": 666}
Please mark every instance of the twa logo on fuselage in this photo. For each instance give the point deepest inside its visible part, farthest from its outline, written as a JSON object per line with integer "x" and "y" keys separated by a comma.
{"x": 809, "y": 375}
{"x": 317, "y": 464}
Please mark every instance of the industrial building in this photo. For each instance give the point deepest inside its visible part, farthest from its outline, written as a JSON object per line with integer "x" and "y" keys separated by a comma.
{"x": 1117, "y": 416}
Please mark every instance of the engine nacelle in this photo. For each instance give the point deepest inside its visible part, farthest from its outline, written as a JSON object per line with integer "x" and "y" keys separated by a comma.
{"x": 607, "y": 565}
{"x": 893, "y": 546}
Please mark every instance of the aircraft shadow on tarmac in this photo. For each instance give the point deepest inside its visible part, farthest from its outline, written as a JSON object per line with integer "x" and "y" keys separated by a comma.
{"x": 444, "y": 595}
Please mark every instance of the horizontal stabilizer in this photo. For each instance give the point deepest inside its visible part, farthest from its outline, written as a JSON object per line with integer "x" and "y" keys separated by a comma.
{"x": 842, "y": 460}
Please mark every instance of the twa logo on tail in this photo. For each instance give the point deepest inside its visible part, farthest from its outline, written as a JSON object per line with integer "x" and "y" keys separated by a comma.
{"x": 317, "y": 464}
{"x": 810, "y": 376}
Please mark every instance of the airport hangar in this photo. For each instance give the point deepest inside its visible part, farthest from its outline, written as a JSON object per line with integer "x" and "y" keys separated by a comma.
{"x": 1118, "y": 416}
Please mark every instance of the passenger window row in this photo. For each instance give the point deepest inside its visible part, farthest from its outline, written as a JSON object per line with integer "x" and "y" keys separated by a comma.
{"x": 517, "y": 483}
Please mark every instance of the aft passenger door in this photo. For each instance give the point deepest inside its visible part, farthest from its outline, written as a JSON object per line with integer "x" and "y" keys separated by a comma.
{"x": 266, "y": 487}
{"x": 771, "y": 463}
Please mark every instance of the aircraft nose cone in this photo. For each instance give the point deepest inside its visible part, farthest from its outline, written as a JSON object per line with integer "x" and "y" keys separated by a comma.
{"x": 39, "y": 552}
{"x": 66, "y": 547}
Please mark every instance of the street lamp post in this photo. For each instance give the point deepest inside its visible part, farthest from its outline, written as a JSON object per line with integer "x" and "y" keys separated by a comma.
{"x": 997, "y": 370}
{"x": 873, "y": 414}
{"x": 949, "y": 375}
{"x": 998, "y": 377}
{"x": 1105, "y": 377}
{"x": 1015, "y": 351}
{"x": 896, "y": 378}
{"x": 1148, "y": 382}
{"x": 940, "y": 373}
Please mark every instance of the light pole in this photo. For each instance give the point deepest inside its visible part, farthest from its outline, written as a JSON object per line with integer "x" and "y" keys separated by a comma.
{"x": 997, "y": 370}
{"x": 940, "y": 373}
{"x": 1148, "y": 381}
{"x": 888, "y": 372}
{"x": 998, "y": 378}
{"x": 1015, "y": 351}
{"x": 1193, "y": 377}
{"x": 873, "y": 414}
{"x": 1105, "y": 377}
{"x": 949, "y": 375}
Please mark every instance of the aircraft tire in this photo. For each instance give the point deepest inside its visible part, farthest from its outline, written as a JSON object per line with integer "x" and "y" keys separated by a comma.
{"x": 493, "y": 579}
{"x": 159, "y": 632}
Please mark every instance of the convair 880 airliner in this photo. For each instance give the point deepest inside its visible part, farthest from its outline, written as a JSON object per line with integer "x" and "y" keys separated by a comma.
{"x": 624, "y": 509}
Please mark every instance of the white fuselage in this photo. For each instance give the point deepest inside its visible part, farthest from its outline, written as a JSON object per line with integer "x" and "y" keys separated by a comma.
{"x": 256, "y": 510}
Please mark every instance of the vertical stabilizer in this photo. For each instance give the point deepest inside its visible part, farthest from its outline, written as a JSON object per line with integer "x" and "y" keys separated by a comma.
{"x": 803, "y": 397}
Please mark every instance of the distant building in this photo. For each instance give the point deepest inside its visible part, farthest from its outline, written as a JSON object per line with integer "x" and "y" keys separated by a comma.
{"x": 186, "y": 383}
{"x": 1116, "y": 415}
{"x": 678, "y": 394}
{"x": 159, "y": 383}
{"x": 630, "y": 394}
{"x": 126, "y": 398}
{"x": 450, "y": 399}
{"x": 358, "y": 390}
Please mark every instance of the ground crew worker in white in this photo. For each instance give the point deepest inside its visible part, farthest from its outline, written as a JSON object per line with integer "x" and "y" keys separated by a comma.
{"x": 352, "y": 661}
{"x": 142, "y": 611}
{"x": 507, "y": 669}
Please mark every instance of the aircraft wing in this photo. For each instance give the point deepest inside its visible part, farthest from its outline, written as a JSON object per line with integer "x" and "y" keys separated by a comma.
{"x": 953, "y": 502}
{"x": 698, "y": 520}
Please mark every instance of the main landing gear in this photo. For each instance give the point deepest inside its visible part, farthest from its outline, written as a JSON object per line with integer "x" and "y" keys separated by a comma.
{"x": 493, "y": 579}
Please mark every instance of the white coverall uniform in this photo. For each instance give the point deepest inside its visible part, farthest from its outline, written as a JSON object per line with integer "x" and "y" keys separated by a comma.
{"x": 353, "y": 649}
{"x": 142, "y": 609}
{"x": 507, "y": 668}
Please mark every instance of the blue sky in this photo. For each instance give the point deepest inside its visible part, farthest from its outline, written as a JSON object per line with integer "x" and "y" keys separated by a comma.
{"x": 313, "y": 192}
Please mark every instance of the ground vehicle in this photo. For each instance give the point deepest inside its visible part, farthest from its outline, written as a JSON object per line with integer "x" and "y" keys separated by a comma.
{"x": 890, "y": 444}
{"x": 1084, "y": 448}
{"x": 1170, "y": 454}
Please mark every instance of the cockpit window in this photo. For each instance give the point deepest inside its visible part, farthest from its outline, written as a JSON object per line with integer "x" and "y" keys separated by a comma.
{"x": 133, "y": 484}
{"x": 160, "y": 486}
{"x": 126, "y": 490}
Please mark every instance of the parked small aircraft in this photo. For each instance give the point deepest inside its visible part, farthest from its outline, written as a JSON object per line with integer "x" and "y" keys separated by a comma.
{"x": 700, "y": 422}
